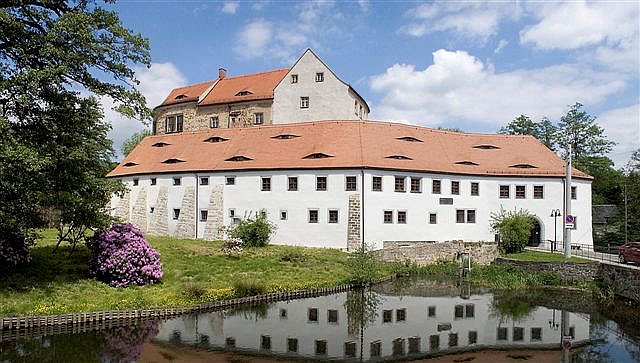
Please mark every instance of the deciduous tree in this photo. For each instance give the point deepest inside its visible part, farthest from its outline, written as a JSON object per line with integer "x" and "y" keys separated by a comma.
{"x": 132, "y": 141}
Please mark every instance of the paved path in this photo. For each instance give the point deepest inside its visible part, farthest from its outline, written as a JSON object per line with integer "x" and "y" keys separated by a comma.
{"x": 608, "y": 258}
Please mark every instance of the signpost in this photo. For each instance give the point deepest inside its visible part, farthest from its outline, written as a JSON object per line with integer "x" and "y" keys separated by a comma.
{"x": 569, "y": 220}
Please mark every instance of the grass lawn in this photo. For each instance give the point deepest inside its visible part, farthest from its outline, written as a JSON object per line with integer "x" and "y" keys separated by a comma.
{"x": 542, "y": 257}
{"x": 195, "y": 271}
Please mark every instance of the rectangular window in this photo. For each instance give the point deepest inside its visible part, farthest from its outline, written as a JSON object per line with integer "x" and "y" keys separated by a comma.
{"x": 333, "y": 216}
{"x": 574, "y": 193}
{"x": 518, "y": 334}
{"x": 265, "y": 342}
{"x": 177, "y": 181}
{"x": 292, "y": 345}
{"x": 232, "y": 213}
{"x": 414, "y": 345}
{"x": 401, "y": 315}
{"x": 319, "y": 77}
{"x": 332, "y": 316}
{"x": 460, "y": 216}
{"x": 504, "y": 191}
{"x": 470, "y": 310}
{"x": 521, "y": 191}
{"x": 312, "y": 315}
{"x": 376, "y": 184}
{"x": 214, "y": 122}
{"x": 351, "y": 183}
{"x": 283, "y": 215}
{"x": 453, "y": 339}
{"x": 230, "y": 342}
{"x": 321, "y": 183}
{"x": 135, "y": 182}
{"x": 350, "y": 349}
{"x": 435, "y": 187}
{"x": 376, "y": 349}
{"x": 176, "y": 213}
{"x": 266, "y": 184}
{"x": 538, "y": 192}
{"x": 258, "y": 118}
{"x": 174, "y": 123}
{"x": 283, "y": 313}
{"x": 471, "y": 216}
{"x": 388, "y": 216}
{"x": 294, "y": 78}
{"x": 416, "y": 185}
{"x": 431, "y": 312}
{"x": 458, "y": 312}
{"x": 321, "y": 347}
{"x": 433, "y": 218}
{"x": 204, "y": 180}
{"x": 387, "y": 316}
{"x": 230, "y": 180}
{"x": 536, "y": 334}
{"x": 475, "y": 188}
{"x": 304, "y": 102}
{"x": 455, "y": 187}
{"x": 397, "y": 347}
{"x": 313, "y": 216}
{"x": 292, "y": 183}
{"x": 204, "y": 214}
{"x": 153, "y": 181}
{"x": 502, "y": 333}
{"x": 473, "y": 337}
{"x": 402, "y": 217}
{"x": 446, "y": 201}
{"x": 399, "y": 184}
{"x": 434, "y": 342}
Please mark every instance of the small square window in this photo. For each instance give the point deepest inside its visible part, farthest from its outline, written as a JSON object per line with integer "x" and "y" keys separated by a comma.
{"x": 431, "y": 312}
{"x": 177, "y": 181}
{"x": 321, "y": 183}
{"x": 266, "y": 184}
{"x": 536, "y": 334}
{"x": 402, "y": 217}
{"x": 401, "y": 315}
{"x": 416, "y": 185}
{"x": 294, "y": 78}
{"x": 351, "y": 183}
{"x": 475, "y": 189}
{"x": 436, "y": 187}
{"x": 521, "y": 191}
{"x": 214, "y": 122}
{"x": 433, "y": 218}
{"x": 332, "y": 316}
{"x": 376, "y": 349}
{"x": 312, "y": 315}
{"x": 135, "y": 182}
{"x": 204, "y": 180}
{"x": 333, "y": 216}
{"x": 460, "y": 215}
{"x": 538, "y": 192}
{"x": 502, "y": 333}
{"x": 399, "y": 184}
{"x": 154, "y": 181}
{"x": 292, "y": 183}
{"x": 471, "y": 216}
{"x": 204, "y": 214}
{"x": 376, "y": 184}
{"x": 350, "y": 349}
{"x": 283, "y": 215}
{"x": 232, "y": 213}
{"x": 176, "y": 214}
{"x": 574, "y": 193}
{"x": 387, "y": 316}
{"x": 388, "y": 216}
{"x": 230, "y": 180}
{"x": 258, "y": 118}
{"x": 292, "y": 345}
{"x": 473, "y": 337}
{"x": 504, "y": 191}
{"x": 321, "y": 347}
{"x": 455, "y": 187}
{"x": 265, "y": 342}
{"x": 304, "y": 102}
{"x": 313, "y": 216}
{"x": 319, "y": 77}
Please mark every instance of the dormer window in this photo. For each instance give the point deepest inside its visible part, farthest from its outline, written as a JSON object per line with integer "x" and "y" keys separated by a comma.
{"x": 466, "y": 162}
{"x": 181, "y": 96}
{"x": 214, "y": 139}
{"x": 486, "y": 147}
{"x": 398, "y": 157}
{"x": 409, "y": 139}
{"x": 285, "y": 136}
{"x": 238, "y": 158}
{"x": 318, "y": 156}
{"x": 173, "y": 161}
{"x": 523, "y": 166}
{"x": 129, "y": 164}
{"x": 244, "y": 93}
{"x": 294, "y": 78}
{"x": 160, "y": 144}
{"x": 320, "y": 77}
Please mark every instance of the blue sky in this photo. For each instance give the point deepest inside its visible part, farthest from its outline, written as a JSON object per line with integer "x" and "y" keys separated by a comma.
{"x": 472, "y": 65}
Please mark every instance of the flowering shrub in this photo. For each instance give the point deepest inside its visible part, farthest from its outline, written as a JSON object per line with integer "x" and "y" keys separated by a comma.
{"x": 120, "y": 256}
{"x": 125, "y": 344}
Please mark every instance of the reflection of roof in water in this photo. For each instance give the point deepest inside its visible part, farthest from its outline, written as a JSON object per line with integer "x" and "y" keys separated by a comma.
{"x": 428, "y": 288}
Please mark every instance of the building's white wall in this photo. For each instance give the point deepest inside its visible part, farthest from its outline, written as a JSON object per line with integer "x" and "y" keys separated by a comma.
{"x": 328, "y": 100}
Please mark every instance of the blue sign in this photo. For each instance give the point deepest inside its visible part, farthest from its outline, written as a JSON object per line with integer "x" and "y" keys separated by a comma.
{"x": 569, "y": 218}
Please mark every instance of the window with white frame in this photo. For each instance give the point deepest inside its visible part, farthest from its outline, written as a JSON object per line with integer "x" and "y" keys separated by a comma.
{"x": 176, "y": 213}
{"x": 538, "y": 192}
{"x": 521, "y": 191}
{"x": 294, "y": 78}
{"x": 351, "y": 183}
{"x": 204, "y": 180}
{"x": 283, "y": 215}
{"x": 265, "y": 183}
{"x": 475, "y": 188}
{"x": 173, "y": 123}
{"x": 376, "y": 184}
{"x": 214, "y": 122}
{"x": 177, "y": 181}
{"x": 258, "y": 118}
{"x": 333, "y": 216}
{"x": 320, "y": 77}
{"x": 399, "y": 184}
{"x": 313, "y": 216}
{"x": 304, "y": 102}
{"x": 504, "y": 192}
{"x": 455, "y": 187}
{"x": 204, "y": 215}
{"x": 321, "y": 183}
{"x": 230, "y": 180}
{"x": 292, "y": 183}
{"x": 387, "y": 216}
{"x": 416, "y": 185}
{"x": 433, "y": 218}
{"x": 402, "y": 217}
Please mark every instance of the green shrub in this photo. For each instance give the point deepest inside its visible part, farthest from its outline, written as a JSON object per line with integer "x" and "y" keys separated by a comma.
{"x": 194, "y": 290}
{"x": 254, "y": 231}
{"x": 249, "y": 288}
{"x": 294, "y": 254}
{"x": 362, "y": 266}
{"x": 514, "y": 229}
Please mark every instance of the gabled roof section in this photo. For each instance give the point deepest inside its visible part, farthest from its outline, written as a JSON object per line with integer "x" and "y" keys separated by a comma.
{"x": 187, "y": 94}
{"x": 351, "y": 144}
{"x": 250, "y": 87}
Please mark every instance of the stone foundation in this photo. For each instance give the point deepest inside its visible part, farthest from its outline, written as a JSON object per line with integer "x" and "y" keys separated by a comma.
{"x": 186, "y": 227}
{"x": 425, "y": 253}
{"x": 214, "y": 230}
{"x": 354, "y": 241}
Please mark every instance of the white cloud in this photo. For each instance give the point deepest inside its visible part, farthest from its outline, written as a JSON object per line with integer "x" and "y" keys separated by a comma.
{"x": 503, "y": 43}
{"x": 230, "y": 7}
{"x": 155, "y": 82}
{"x": 254, "y": 38}
{"x": 622, "y": 125}
{"x": 474, "y": 20}
{"x": 459, "y": 87}
{"x": 364, "y": 5}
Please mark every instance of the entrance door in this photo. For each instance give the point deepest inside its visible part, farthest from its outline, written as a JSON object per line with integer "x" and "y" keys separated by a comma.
{"x": 534, "y": 239}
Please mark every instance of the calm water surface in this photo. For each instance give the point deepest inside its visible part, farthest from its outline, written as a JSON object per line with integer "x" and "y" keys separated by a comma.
{"x": 406, "y": 320}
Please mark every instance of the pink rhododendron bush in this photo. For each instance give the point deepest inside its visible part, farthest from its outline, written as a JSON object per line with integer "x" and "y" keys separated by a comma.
{"x": 120, "y": 256}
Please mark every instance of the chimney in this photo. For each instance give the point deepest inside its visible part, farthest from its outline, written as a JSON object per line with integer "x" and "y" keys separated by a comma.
{"x": 222, "y": 73}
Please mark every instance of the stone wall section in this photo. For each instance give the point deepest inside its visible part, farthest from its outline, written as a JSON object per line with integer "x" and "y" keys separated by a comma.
{"x": 625, "y": 281}
{"x": 159, "y": 225}
{"x": 139, "y": 212}
{"x": 425, "y": 253}
{"x": 354, "y": 241}
{"x": 122, "y": 209}
{"x": 186, "y": 227}
{"x": 214, "y": 230}
{"x": 577, "y": 272}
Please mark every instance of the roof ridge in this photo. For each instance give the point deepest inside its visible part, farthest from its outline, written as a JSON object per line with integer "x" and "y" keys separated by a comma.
{"x": 255, "y": 74}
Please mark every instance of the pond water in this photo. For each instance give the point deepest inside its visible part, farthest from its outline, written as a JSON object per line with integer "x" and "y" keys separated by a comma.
{"x": 405, "y": 320}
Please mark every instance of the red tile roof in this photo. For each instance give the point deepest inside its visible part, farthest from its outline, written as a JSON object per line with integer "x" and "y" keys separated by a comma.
{"x": 186, "y": 94}
{"x": 348, "y": 144}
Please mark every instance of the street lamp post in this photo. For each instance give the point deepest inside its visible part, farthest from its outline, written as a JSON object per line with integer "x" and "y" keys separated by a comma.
{"x": 555, "y": 214}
